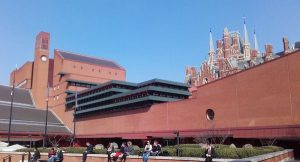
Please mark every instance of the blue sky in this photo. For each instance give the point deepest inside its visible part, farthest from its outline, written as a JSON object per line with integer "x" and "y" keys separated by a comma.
{"x": 150, "y": 38}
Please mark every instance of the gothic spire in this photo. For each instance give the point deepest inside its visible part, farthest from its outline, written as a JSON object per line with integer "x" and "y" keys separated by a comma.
{"x": 211, "y": 50}
{"x": 246, "y": 42}
{"x": 246, "y": 39}
{"x": 211, "y": 44}
{"x": 255, "y": 43}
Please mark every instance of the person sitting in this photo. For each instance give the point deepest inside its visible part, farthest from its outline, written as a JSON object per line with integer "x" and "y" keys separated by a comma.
{"x": 58, "y": 157}
{"x": 130, "y": 148}
{"x": 156, "y": 149}
{"x": 147, "y": 150}
{"x": 36, "y": 155}
{"x": 89, "y": 150}
{"x": 51, "y": 153}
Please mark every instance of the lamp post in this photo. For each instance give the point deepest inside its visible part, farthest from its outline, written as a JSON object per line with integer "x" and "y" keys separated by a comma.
{"x": 74, "y": 120}
{"x": 46, "y": 122}
{"x": 177, "y": 139}
{"x": 11, "y": 107}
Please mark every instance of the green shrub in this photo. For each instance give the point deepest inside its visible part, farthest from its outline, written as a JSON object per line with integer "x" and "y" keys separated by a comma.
{"x": 227, "y": 153}
{"x": 169, "y": 151}
{"x": 241, "y": 153}
{"x": 189, "y": 145}
{"x": 192, "y": 152}
{"x": 187, "y": 150}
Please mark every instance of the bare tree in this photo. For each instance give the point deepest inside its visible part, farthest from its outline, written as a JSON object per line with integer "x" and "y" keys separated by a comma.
{"x": 268, "y": 141}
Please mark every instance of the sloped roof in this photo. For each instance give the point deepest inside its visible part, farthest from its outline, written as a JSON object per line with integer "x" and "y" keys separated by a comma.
{"x": 90, "y": 60}
{"x": 26, "y": 118}
{"x": 22, "y": 96}
{"x": 30, "y": 120}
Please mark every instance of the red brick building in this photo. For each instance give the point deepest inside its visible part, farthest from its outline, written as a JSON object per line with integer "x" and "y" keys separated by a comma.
{"x": 260, "y": 101}
{"x": 233, "y": 54}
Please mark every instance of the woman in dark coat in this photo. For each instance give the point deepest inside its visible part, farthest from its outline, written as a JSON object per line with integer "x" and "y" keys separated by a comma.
{"x": 209, "y": 153}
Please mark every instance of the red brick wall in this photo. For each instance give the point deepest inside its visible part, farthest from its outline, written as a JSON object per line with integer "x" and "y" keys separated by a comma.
{"x": 103, "y": 158}
{"x": 259, "y": 102}
{"x": 22, "y": 74}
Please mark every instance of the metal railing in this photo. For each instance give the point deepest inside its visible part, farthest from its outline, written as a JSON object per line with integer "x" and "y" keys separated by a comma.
{"x": 23, "y": 157}
{"x": 7, "y": 158}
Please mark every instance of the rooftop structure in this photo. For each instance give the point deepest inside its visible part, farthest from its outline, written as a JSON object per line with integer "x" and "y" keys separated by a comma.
{"x": 119, "y": 95}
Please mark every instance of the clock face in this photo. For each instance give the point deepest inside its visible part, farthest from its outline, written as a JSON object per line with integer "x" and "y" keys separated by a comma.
{"x": 44, "y": 58}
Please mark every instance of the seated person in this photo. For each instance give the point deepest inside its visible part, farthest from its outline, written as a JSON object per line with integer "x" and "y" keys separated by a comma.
{"x": 51, "y": 153}
{"x": 116, "y": 156}
{"x": 89, "y": 150}
{"x": 156, "y": 149}
{"x": 36, "y": 155}
{"x": 58, "y": 157}
{"x": 130, "y": 148}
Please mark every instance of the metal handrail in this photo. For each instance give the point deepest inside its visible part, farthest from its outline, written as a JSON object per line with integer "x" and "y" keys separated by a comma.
{"x": 7, "y": 157}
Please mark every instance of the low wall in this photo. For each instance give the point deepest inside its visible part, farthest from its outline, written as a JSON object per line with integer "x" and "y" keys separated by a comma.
{"x": 280, "y": 156}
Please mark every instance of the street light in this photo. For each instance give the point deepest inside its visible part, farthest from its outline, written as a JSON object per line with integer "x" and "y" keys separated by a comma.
{"x": 74, "y": 120}
{"x": 11, "y": 106}
{"x": 177, "y": 139}
{"x": 46, "y": 122}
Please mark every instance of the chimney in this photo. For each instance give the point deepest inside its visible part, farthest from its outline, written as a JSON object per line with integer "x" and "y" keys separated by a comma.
{"x": 285, "y": 45}
{"x": 268, "y": 51}
{"x": 253, "y": 54}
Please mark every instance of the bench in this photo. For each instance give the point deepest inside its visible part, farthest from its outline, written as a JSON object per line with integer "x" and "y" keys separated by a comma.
{"x": 46, "y": 160}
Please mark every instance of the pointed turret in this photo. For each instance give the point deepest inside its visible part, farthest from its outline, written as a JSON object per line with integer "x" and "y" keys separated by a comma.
{"x": 246, "y": 42}
{"x": 226, "y": 43}
{"x": 211, "y": 52}
{"x": 246, "y": 39}
{"x": 255, "y": 43}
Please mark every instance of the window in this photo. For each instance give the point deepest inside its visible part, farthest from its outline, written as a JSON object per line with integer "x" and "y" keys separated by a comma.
{"x": 74, "y": 66}
{"x": 81, "y": 67}
{"x": 116, "y": 73}
{"x": 210, "y": 114}
{"x": 93, "y": 70}
{"x": 44, "y": 43}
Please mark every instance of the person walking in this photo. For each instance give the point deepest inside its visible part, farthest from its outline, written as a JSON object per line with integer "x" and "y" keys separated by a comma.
{"x": 209, "y": 152}
{"x": 89, "y": 150}
{"x": 110, "y": 150}
{"x": 123, "y": 150}
{"x": 147, "y": 150}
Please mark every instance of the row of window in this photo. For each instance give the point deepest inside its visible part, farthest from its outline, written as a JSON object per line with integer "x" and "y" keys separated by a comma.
{"x": 131, "y": 97}
{"x": 101, "y": 89}
{"x": 163, "y": 85}
{"x": 112, "y": 101}
{"x": 93, "y": 70}
{"x": 77, "y": 84}
{"x": 117, "y": 108}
